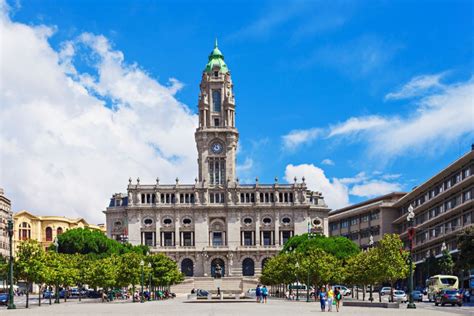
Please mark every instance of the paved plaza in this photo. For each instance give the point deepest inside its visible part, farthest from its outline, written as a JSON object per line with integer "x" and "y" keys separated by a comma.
{"x": 180, "y": 307}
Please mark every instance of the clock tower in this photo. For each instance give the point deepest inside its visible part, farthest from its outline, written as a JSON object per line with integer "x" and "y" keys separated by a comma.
{"x": 216, "y": 137}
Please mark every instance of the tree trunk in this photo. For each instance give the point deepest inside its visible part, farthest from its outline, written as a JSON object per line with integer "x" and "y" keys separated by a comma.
{"x": 65, "y": 294}
{"x": 352, "y": 292}
{"x": 363, "y": 292}
{"x": 391, "y": 292}
{"x": 357, "y": 293}
{"x": 133, "y": 292}
{"x": 39, "y": 294}
{"x": 27, "y": 294}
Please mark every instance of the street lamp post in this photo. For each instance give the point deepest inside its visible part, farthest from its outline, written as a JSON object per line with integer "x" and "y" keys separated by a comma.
{"x": 142, "y": 263}
{"x": 149, "y": 279}
{"x": 427, "y": 260}
{"x": 56, "y": 247}
{"x": 411, "y": 235}
{"x": 371, "y": 244}
{"x": 11, "y": 303}
{"x": 310, "y": 235}
{"x": 297, "y": 265}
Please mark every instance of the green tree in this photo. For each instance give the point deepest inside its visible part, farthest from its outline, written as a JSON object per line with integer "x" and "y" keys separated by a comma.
{"x": 281, "y": 269}
{"x": 4, "y": 270}
{"x": 361, "y": 269}
{"x": 103, "y": 272}
{"x": 446, "y": 263}
{"x": 29, "y": 264}
{"x": 391, "y": 260}
{"x": 466, "y": 249}
{"x": 323, "y": 268}
{"x": 130, "y": 270}
{"x": 340, "y": 247}
{"x": 165, "y": 271}
{"x": 94, "y": 243}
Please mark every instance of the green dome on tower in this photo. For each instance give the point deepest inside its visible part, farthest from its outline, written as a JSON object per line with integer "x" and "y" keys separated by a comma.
{"x": 216, "y": 58}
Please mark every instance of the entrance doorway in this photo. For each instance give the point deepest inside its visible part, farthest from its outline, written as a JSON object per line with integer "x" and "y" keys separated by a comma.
{"x": 214, "y": 264}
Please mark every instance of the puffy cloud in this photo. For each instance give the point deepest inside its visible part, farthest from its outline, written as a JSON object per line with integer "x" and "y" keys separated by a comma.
{"x": 374, "y": 188}
{"x": 296, "y": 138}
{"x": 328, "y": 162}
{"x": 335, "y": 193}
{"x": 70, "y": 139}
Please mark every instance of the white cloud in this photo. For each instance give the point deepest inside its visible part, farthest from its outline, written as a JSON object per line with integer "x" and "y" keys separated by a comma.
{"x": 246, "y": 166}
{"x": 63, "y": 151}
{"x": 328, "y": 162}
{"x": 418, "y": 85}
{"x": 374, "y": 188}
{"x": 438, "y": 120}
{"x": 358, "y": 178}
{"x": 297, "y": 138}
{"x": 335, "y": 193}
{"x": 357, "y": 124}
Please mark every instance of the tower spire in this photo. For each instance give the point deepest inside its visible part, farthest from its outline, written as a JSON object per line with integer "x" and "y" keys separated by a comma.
{"x": 215, "y": 45}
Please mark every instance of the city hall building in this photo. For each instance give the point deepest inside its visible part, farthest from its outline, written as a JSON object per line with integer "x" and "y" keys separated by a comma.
{"x": 216, "y": 220}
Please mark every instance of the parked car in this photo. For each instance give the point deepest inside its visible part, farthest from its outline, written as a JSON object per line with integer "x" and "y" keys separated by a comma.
{"x": 399, "y": 296}
{"x": 4, "y": 299}
{"x": 385, "y": 290}
{"x": 417, "y": 296}
{"x": 345, "y": 290}
{"x": 445, "y": 296}
{"x": 52, "y": 294}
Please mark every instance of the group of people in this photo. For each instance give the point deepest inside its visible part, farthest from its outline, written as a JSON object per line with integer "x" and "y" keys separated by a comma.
{"x": 329, "y": 298}
{"x": 261, "y": 293}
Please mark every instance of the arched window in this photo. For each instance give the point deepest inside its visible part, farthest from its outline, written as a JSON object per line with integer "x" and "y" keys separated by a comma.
{"x": 59, "y": 231}
{"x": 248, "y": 267}
{"x": 24, "y": 231}
{"x": 264, "y": 262}
{"x": 187, "y": 267}
{"x": 49, "y": 234}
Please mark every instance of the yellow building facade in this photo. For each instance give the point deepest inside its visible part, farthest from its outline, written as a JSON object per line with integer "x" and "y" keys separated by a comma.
{"x": 45, "y": 228}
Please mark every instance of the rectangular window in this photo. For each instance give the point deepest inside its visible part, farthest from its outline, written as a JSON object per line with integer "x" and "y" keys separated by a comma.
{"x": 286, "y": 234}
{"x": 248, "y": 239}
{"x": 354, "y": 221}
{"x": 216, "y": 122}
{"x": 344, "y": 224}
{"x": 168, "y": 238}
{"x": 267, "y": 238}
{"x": 148, "y": 239}
{"x": 217, "y": 239}
{"x": 216, "y": 100}
{"x": 187, "y": 240}
{"x": 365, "y": 218}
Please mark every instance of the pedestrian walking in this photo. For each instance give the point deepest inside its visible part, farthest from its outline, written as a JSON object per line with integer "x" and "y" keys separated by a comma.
{"x": 322, "y": 299}
{"x": 264, "y": 294}
{"x": 338, "y": 298}
{"x": 258, "y": 293}
{"x": 330, "y": 296}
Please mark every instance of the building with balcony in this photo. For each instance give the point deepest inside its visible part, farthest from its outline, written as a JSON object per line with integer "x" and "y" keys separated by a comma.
{"x": 45, "y": 228}
{"x": 443, "y": 206}
{"x": 217, "y": 219}
{"x": 5, "y": 215}
{"x": 366, "y": 221}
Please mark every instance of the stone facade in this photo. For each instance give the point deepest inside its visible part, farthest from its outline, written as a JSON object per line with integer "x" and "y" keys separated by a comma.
{"x": 216, "y": 220}
{"x": 45, "y": 228}
{"x": 5, "y": 215}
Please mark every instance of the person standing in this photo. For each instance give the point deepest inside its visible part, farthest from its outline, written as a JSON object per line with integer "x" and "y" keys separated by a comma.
{"x": 330, "y": 296}
{"x": 258, "y": 293}
{"x": 338, "y": 298}
{"x": 264, "y": 294}
{"x": 322, "y": 299}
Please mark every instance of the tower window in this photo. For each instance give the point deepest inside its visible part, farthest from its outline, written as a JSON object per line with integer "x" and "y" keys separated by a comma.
{"x": 216, "y": 122}
{"x": 216, "y": 74}
{"x": 216, "y": 100}
{"x": 216, "y": 170}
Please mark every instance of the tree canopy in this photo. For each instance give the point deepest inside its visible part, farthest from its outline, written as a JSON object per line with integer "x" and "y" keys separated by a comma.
{"x": 339, "y": 247}
{"x": 93, "y": 243}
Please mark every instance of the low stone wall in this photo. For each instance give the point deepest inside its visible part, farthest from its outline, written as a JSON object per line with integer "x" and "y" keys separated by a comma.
{"x": 369, "y": 304}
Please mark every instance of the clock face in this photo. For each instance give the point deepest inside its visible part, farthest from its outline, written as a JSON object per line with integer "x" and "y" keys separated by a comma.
{"x": 216, "y": 148}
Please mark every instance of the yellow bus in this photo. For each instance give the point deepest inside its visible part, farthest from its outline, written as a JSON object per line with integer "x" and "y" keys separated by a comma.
{"x": 439, "y": 282}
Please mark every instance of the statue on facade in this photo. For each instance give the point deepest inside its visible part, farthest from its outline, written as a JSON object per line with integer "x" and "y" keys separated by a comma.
{"x": 218, "y": 272}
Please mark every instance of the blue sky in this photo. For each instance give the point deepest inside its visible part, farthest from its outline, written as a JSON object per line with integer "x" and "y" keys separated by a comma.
{"x": 361, "y": 97}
